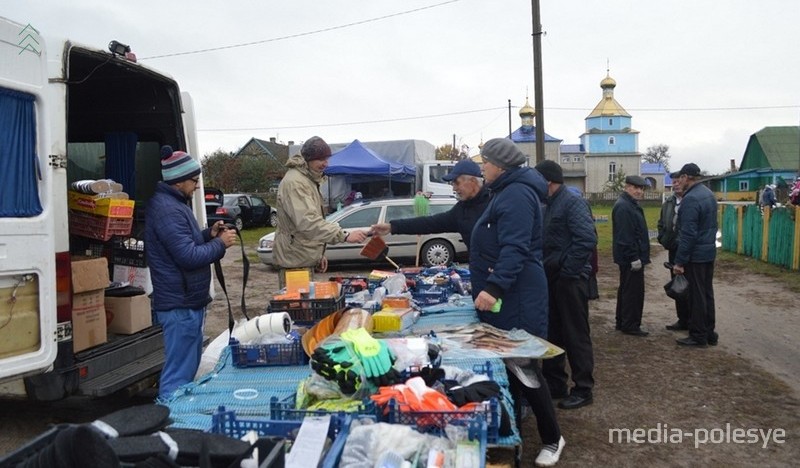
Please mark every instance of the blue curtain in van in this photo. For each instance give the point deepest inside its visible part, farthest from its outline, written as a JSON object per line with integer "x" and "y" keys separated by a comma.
{"x": 121, "y": 160}
{"x": 19, "y": 164}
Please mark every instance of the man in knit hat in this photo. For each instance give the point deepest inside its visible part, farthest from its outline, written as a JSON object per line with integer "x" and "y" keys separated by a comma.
{"x": 569, "y": 242}
{"x": 179, "y": 255}
{"x": 303, "y": 232}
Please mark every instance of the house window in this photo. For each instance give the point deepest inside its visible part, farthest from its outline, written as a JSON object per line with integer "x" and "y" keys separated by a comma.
{"x": 611, "y": 140}
{"x": 564, "y": 159}
{"x": 576, "y": 159}
{"x": 612, "y": 171}
{"x": 744, "y": 185}
{"x": 610, "y": 122}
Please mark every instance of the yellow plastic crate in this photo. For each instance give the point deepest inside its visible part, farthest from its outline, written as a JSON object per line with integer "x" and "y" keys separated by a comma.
{"x": 102, "y": 206}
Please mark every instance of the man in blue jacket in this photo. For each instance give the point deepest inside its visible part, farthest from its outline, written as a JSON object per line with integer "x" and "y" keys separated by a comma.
{"x": 472, "y": 200}
{"x": 631, "y": 248}
{"x": 697, "y": 250}
{"x": 179, "y": 255}
{"x": 569, "y": 241}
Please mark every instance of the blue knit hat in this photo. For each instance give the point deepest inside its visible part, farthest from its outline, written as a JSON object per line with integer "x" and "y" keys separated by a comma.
{"x": 177, "y": 166}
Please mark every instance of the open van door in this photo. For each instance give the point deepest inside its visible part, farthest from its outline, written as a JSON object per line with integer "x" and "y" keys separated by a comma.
{"x": 28, "y": 341}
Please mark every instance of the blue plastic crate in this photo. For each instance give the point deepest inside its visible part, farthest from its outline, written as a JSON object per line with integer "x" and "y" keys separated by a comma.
{"x": 435, "y": 421}
{"x": 284, "y": 410}
{"x": 226, "y": 422}
{"x": 261, "y": 355}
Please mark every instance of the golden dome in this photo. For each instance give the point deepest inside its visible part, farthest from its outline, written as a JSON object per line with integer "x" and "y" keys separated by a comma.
{"x": 527, "y": 109}
{"x": 608, "y": 82}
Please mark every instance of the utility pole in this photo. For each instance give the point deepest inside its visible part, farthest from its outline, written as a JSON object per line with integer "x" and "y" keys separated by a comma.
{"x": 537, "y": 80}
{"x": 509, "y": 118}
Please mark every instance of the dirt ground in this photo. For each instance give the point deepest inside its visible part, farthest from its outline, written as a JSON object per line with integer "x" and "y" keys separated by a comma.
{"x": 749, "y": 382}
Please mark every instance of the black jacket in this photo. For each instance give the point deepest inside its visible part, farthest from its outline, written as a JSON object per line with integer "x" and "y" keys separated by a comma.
{"x": 697, "y": 226}
{"x": 631, "y": 240}
{"x": 460, "y": 218}
{"x": 569, "y": 235}
{"x": 667, "y": 228}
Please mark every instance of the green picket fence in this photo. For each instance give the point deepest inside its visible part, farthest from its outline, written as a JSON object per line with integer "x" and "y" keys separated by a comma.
{"x": 781, "y": 233}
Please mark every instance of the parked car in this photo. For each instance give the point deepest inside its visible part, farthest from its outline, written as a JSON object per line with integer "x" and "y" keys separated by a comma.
{"x": 435, "y": 249}
{"x": 240, "y": 209}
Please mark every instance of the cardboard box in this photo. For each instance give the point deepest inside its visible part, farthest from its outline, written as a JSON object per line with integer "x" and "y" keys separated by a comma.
{"x": 89, "y": 274}
{"x": 139, "y": 277}
{"x": 102, "y": 205}
{"x": 128, "y": 315}
{"x": 88, "y": 320}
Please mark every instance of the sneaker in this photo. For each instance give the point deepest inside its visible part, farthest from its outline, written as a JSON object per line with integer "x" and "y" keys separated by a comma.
{"x": 550, "y": 453}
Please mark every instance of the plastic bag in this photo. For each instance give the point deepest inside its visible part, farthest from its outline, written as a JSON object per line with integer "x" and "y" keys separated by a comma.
{"x": 677, "y": 288}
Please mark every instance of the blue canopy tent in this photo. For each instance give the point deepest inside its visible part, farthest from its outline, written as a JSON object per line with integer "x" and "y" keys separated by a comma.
{"x": 356, "y": 163}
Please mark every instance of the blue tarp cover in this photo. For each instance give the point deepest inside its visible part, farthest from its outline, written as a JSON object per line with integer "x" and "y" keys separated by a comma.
{"x": 358, "y": 160}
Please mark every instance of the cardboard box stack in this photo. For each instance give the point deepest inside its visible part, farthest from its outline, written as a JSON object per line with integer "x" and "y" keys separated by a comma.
{"x": 128, "y": 315}
{"x": 89, "y": 280}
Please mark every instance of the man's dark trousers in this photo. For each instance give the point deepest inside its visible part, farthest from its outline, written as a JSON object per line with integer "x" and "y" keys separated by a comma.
{"x": 630, "y": 298}
{"x": 701, "y": 300}
{"x": 681, "y": 305}
{"x": 568, "y": 327}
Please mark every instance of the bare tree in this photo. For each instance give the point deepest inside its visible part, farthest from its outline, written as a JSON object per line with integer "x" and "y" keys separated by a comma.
{"x": 657, "y": 154}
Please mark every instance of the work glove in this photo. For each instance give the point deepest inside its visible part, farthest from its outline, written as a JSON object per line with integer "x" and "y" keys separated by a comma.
{"x": 337, "y": 362}
{"x": 473, "y": 393}
{"x": 636, "y": 265}
{"x": 375, "y": 356}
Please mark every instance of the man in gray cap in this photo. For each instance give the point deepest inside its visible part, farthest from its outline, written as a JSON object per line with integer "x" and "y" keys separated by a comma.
{"x": 631, "y": 247}
{"x": 302, "y": 231}
{"x": 697, "y": 251}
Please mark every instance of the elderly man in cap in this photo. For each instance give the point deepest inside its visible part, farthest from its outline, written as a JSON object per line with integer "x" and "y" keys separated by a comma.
{"x": 697, "y": 251}
{"x": 179, "y": 254}
{"x": 569, "y": 242}
{"x": 302, "y": 231}
{"x": 508, "y": 280}
{"x": 472, "y": 200}
{"x": 631, "y": 248}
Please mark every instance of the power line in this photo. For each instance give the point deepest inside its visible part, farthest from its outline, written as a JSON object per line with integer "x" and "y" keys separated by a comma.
{"x": 307, "y": 33}
{"x": 474, "y": 111}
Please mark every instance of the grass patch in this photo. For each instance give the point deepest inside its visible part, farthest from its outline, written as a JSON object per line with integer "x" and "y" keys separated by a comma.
{"x": 251, "y": 236}
{"x": 604, "y": 229}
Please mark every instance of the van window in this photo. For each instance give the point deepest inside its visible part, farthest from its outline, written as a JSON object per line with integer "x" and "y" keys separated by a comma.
{"x": 399, "y": 212}
{"x": 19, "y": 169}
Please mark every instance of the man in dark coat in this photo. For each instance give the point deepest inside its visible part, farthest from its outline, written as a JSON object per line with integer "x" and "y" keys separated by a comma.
{"x": 697, "y": 250}
{"x": 179, "y": 255}
{"x": 631, "y": 247}
{"x": 668, "y": 238}
{"x": 569, "y": 242}
{"x": 505, "y": 263}
{"x": 472, "y": 200}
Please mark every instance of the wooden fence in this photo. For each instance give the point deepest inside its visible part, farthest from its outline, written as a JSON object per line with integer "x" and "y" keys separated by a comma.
{"x": 772, "y": 236}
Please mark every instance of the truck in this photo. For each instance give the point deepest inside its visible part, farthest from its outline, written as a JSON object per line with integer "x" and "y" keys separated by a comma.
{"x": 75, "y": 113}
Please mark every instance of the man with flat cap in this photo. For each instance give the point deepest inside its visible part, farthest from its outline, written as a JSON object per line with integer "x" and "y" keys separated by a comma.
{"x": 631, "y": 248}
{"x": 697, "y": 251}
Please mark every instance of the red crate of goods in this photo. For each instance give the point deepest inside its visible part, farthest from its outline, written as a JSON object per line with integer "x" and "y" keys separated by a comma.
{"x": 98, "y": 227}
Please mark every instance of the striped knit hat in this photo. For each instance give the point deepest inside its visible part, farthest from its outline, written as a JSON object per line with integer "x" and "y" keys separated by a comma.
{"x": 177, "y": 166}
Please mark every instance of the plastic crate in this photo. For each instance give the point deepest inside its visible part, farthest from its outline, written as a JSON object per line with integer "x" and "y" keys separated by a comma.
{"x": 307, "y": 311}
{"x": 98, "y": 227}
{"x": 128, "y": 257}
{"x": 284, "y": 410}
{"x": 434, "y": 421}
{"x": 226, "y": 422}
{"x": 264, "y": 355}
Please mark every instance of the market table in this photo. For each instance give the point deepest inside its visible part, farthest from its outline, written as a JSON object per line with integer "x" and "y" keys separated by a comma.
{"x": 249, "y": 391}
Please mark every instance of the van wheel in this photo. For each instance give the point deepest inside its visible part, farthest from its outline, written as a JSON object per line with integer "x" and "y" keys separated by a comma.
{"x": 238, "y": 223}
{"x": 273, "y": 219}
{"x": 437, "y": 252}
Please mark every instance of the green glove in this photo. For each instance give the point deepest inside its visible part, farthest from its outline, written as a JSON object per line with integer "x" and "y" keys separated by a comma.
{"x": 337, "y": 361}
{"x": 375, "y": 356}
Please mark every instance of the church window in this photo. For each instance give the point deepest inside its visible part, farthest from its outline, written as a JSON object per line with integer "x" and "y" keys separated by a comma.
{"x": 612, "y": 140}
{"x": 610, "y": 122}
{"x": 612, "y": 171}
{"x": 576, "y": 159}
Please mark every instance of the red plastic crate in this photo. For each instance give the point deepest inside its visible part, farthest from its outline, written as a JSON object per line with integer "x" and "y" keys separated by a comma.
{"x": 98, "y": 227}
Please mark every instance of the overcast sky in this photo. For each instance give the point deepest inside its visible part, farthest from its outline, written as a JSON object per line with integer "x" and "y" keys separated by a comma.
{"x": 698, "y": 75}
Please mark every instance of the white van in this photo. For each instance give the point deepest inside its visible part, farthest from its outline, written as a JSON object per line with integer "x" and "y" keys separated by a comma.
{"x": 77, "y": 113}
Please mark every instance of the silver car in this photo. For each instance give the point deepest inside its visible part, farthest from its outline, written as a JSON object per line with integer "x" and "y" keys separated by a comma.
{"x": 434, "y": 249}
